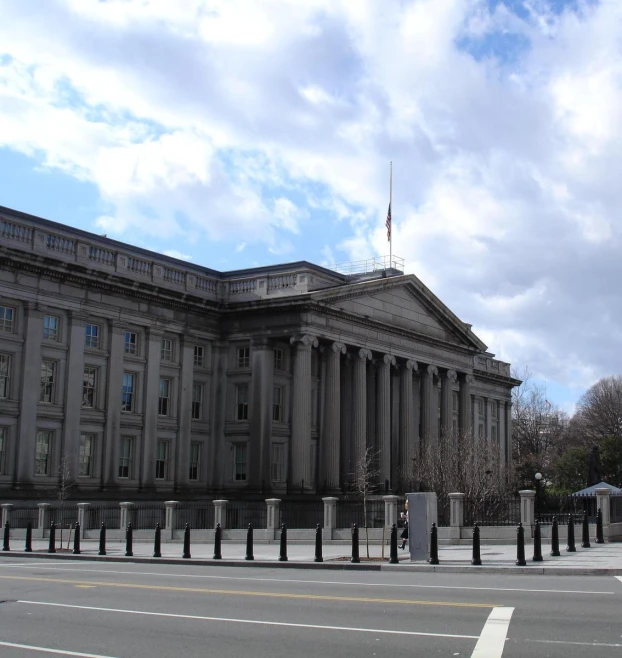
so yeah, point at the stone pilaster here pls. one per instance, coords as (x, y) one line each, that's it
(170, 518)
(428, 403)
(29, 394)
(448, 379)
(83, 512)
(359, 403)
(220, 513)
(262, 385)
(74, 380)
(384, 418)
(527, 507)
(301, 412)
(218, 455)
(150, 407)
(273, 515)
(508, 432)
(184, 414)
(390, 510)
(408, 435)
(465, 413)
(112, 430)
(346, 418)
(330, 448)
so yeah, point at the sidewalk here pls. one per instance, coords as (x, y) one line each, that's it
(600, 559)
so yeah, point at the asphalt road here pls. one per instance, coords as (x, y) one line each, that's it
(133, 610)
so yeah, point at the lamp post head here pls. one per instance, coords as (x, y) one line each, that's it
(538, 476)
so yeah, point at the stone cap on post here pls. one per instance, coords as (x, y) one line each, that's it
(390, 510)
(170, 507)
(527, 507)
(456, 510)
(603, 501)
(273, 516)
(220, 513)
(44, 515)
(125, 516)
(330, 512)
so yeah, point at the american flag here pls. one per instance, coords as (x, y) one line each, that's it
(388, 224)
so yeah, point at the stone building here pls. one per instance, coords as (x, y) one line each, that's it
(140, 373)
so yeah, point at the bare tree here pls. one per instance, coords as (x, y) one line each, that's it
(364, 482)
(65, 483)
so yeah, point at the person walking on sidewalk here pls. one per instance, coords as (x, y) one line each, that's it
(404, 535)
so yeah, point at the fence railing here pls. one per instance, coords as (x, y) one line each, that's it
(199, 516)
(562, 506)
(240, 513)
(352, 511)
(616, 508)
(145, 517)
(64, 516)
(492, 511)
(302, 514)
(109, 514)
(22, 515)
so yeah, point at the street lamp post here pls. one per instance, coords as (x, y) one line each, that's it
(538, 477)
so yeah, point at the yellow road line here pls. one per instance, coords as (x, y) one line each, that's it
(278, 595)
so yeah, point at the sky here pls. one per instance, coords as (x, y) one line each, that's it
(239, 133)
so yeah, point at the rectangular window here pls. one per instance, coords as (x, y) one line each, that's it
(5, 373)
(85, 466)
(455, 401)
(126, 455)
(239, 462)
(277, 404)
(241, 402)
(164, 399)
(162, 461)
(493, 409)
(197, 401)
(480, 407)
(278, 359)
(89, 384)
(48, 378)
(43, 453)
(199, 356)
(50, 327)
(128, 394)
(166, 349)
(244, 357)
(195, 461)
(92, 335)
(7, 319)
(278, 462)
(131, 342)
(3, 446)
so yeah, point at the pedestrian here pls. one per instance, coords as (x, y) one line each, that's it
(404, 535)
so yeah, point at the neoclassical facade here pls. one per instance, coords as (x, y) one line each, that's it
(129, 371)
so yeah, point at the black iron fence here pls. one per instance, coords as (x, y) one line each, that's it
(199, 516)
(491, 511)
(64, 516)
(20, 516)
(562, 506)
(616, 508)
(241, 512)
(350, 511)
(302, 513)
(145, 517)
(109, 514)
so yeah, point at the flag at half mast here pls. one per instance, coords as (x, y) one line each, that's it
(388, 223)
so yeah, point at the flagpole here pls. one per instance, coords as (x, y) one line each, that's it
(391, 208)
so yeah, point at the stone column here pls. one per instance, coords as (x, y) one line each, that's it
(126, 515)
(83, 510)
(371, 405)
(359, 404)
(448, 379)
(465, 411)
(508, 432)
(273, 513)
(184, 414)
(527, 507)
(384, 418)
(112, 430)
(346, 378)
(150, 408)
(408, 435)
(216, 445)
(396, 385)
(330, 448)
(170, 518)
(29, 394)
(301, 413)
(74, 379)
(390, 510)
(428, 403)
(603, 502)
(6, 513)
(261, 393)
(220, 513)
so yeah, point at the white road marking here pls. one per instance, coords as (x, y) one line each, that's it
(252, 621)
(580, 644)
(308, 582)
(619, 578)
(492, 639)
(55, 651)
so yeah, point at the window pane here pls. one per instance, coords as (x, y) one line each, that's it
(128, 392)
(3, 441)
(131, 342)
(242, 402)
(195, 455)
(166, 352)
(7, 315)
(88, 387)
(278, 359)
(197, 401)
(48, 372)
(50, 327)
(92, 335)
(5, 368)
(162, 460)
(125, 457)
(199, 357)
(239, 457)
(42, 453)
(244, 357)
(85, 468)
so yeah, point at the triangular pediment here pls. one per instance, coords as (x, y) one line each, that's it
(402, 302)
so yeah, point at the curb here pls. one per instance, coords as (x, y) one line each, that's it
(329, 565)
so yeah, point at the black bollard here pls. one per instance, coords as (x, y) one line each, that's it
(52, 544)
(283, 545)
(217, 542)
(28, 547)
(128, 541)
(355, 545)
(318, 544)
(76, 539)
(393, 559)
(571, 548)
(186, 554)
(157, 541)
(585, 531)
(555, 539)
(102, 540)
(477, 560)
(600, 537)
(520, 546)
(537, 543)
(434, 545)
(6, 540)
(249, 543)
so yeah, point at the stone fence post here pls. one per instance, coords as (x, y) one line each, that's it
(273, 513)
(603, 501)
(330, 513)
(126, 515)
(170, 518)
(6, 513)
(43, 521)
(456, 516)
(390, 510)
(527, 508)
(83, 509)
(220, 513)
